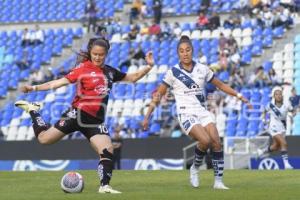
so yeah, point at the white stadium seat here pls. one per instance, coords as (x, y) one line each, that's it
(22, 132)
(116, 38)
(187, 33)
(61, 90)
(288, 56)
(247, 32)
(50, 97)
(226, 33)
(118, 104)
(289, 73)
(163, 69)
(206, 34)
(132, 69)
(215, 33)
(288, 65)
(15, 122)
(277, 65)
(128, 103)
(237, 32)
(247, 41)
(289, 47)
(12, 133)
(196, 34)
(30, 134)
(277, 56)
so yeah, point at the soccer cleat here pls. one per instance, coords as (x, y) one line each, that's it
(220, 186)
(28, 106)
(108, 189)
(288, 166)
(194, 176)
(260, 152)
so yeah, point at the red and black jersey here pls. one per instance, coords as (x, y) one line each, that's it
(93, 87)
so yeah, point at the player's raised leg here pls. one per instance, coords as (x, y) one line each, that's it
(43, 131)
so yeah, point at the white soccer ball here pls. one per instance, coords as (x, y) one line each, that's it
(72, 182)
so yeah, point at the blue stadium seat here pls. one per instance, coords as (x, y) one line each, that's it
(278, 32)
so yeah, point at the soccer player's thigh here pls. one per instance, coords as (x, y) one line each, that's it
(99, 138)
(50, 136)
(212, 131)
(198, 133)
(280, 140)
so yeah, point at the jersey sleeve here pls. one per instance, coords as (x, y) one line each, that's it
(73, 75)
(117, 75)
(209, 74)
(168, 79)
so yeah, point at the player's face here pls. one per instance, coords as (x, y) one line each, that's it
(185, 53)
(98, 55)
(278, 96)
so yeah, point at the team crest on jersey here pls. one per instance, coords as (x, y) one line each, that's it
(72, 114)
(93, 74)
(62, 122)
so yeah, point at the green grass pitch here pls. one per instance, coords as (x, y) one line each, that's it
(155, 185)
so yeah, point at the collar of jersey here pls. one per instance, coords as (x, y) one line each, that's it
(91, 65)
(193, 65)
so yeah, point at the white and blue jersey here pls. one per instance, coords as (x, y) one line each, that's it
(278, 116)
(189, 91)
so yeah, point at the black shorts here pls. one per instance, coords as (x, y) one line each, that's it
(76, 120)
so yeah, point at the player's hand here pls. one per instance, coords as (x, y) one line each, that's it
(145, 124)
(246, 101)
(27, 88)
(149, 58)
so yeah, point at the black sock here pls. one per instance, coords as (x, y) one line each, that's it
(218, 164)
(199, 155)
(105, 171)
(39, 124)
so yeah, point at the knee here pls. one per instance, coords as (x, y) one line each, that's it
(106, 153)
(283, 145)
(204, 144)
(216, 146)
(44, 140)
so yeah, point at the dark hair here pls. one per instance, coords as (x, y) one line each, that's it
(184, 39)
(86, 55)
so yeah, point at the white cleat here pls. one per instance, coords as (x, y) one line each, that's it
(28, 106)
(220, 186)
(194, 176)
(108, 189)
(288, 166)
(260, 153)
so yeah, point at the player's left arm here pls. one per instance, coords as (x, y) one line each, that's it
(229, 90)
(160, 92)
(134, 77)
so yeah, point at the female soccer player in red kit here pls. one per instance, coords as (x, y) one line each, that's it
(94, 81)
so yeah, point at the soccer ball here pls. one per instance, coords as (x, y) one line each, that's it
(72, 182)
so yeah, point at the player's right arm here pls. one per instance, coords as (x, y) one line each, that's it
(46, 86)
(161, 91)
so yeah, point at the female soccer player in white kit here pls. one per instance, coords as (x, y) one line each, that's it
(188, 80)
(277, 127)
